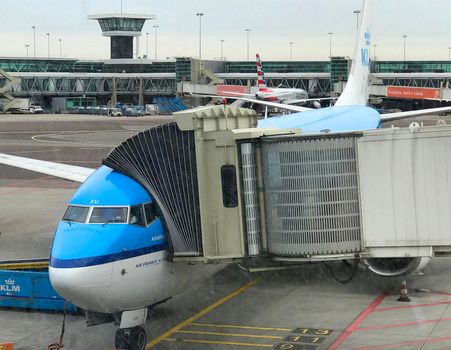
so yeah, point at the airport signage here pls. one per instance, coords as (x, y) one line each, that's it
(231, 90)
(413, 92)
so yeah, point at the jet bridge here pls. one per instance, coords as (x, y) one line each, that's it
(229, 191)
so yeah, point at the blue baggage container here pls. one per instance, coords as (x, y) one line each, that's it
(31, 290)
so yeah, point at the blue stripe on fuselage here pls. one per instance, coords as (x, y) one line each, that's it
(104, 259)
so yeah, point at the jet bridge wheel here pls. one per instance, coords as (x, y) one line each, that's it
(130, 338)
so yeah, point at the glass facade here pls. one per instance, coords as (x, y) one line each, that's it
(121, 24)
(411, 67)
(183, 69)
(339, 69)
(74, 66)
(338, 66)
(279, 67)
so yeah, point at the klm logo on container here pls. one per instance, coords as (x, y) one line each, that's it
(9, 286)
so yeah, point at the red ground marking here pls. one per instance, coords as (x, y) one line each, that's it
(442, 293)
(407, 343)
(412, 306)
(404, 324)
(355, 324)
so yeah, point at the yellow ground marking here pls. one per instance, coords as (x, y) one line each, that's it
(232, 334)
(201, 313)
(23, 266)
(220, 342)
(240, 327)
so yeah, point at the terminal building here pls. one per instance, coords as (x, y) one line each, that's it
(130, 79)
(141, 81)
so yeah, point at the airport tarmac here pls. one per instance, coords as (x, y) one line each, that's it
(230, 309)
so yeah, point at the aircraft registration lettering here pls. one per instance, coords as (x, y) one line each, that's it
(94, 201)
(365, 57)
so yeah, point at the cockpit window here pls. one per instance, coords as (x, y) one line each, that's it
(108, 215)
(75, 214)
(136, 216)
(151, 212)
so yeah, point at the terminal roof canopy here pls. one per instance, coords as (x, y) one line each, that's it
(121, 24)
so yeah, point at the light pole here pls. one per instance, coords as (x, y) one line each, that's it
(155, 34)
(147, 45)
(200, 14)
(121, 6)
(291, 50)
(27, 46)
(330, 44)
(34, 40)
(449, 53)
(247, 35)
(61, 47)
(404, 37)
(357, 12)
(48, 44)
(222, 49)
(374, 52)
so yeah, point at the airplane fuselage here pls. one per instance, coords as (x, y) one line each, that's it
(280, 94)
(104, 259)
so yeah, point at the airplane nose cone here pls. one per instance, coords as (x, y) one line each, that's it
(85, 287)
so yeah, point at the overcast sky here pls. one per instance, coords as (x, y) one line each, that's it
(273, 23)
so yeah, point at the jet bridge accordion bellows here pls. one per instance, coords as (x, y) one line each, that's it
(311, 194)
(163, 161)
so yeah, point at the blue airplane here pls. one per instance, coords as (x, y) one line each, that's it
(110, 254)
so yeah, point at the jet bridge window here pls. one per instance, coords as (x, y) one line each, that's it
(108, 215)
(136, 216)
(229, 189)
(75, 214)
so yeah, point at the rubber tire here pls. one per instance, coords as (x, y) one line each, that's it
(138, 338)
(121, 340)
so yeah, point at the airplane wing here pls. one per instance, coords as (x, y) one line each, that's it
(402, 115)
(64, 171)
(232, 94)
(277, 105)
(265, 103)
(290, 102)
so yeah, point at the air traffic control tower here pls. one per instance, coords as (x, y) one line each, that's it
(121, 28)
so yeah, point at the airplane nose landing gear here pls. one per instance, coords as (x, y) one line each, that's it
(130, 338)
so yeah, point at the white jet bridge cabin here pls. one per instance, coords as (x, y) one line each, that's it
(229, 191)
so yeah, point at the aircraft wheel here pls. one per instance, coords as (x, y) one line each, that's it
(138, 338)
(122, 339)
